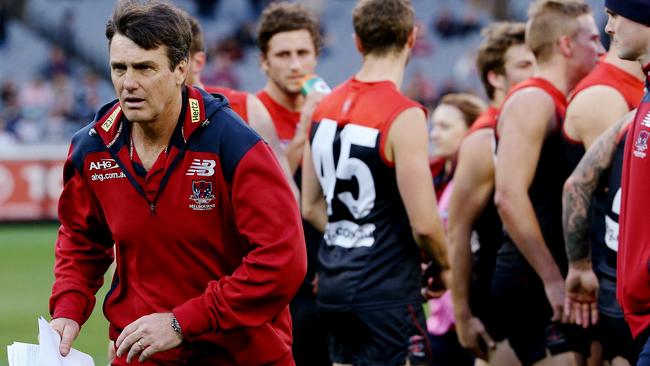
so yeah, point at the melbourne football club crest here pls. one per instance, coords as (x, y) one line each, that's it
(641, 144)
(202, 195)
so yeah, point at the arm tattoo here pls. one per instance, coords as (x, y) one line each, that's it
(579, 190)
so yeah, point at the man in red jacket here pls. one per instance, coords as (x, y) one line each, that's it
(207, 234)
(629, 24)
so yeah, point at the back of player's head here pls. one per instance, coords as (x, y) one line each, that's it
(383, 26)
(548, 20)
(285, 17)
(498, 38)
(635, 10)
(152, 24)
(470, 106)
(197, 36)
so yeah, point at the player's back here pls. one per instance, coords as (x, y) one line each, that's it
(369, 258)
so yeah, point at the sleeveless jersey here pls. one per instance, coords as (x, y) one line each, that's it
(604, 74)
(545, 191)
(369, 258)
(285, 121)
(633, 272)
(487, 232)
(237, 99)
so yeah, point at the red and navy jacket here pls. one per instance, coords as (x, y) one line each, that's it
(216, 238)
(633, 266)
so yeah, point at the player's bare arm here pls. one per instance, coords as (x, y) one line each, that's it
(592, 111)
(580, 187)
(407, 146)
(581, 282)
(260, 121)
(525, 120)
(473, 183)
(313, 205)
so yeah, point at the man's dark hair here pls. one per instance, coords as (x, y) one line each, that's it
(285, 17)
(153, 24)
(498, 38)
(383, 25)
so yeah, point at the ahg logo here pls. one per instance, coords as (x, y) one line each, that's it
(202, 168)
(103, 164)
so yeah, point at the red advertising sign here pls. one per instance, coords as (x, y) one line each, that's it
(30, 185)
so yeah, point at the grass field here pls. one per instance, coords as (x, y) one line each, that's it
(26, 260)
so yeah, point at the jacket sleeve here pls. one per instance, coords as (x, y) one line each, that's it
(266, 213)
(83, 250)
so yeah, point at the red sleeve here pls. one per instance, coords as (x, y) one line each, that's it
(266, 214)
(83, 250)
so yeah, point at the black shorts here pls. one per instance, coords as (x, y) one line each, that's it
(523, 316)
(378, 337)
(615, 337)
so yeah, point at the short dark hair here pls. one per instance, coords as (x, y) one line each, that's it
(383, 25)
(498, 38)
(153, 24)
(285, 17)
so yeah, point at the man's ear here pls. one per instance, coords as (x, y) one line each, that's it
(181, 71)
(264, 63)
(412, 37)
(357, 43)
(565, 45)
(498, 81)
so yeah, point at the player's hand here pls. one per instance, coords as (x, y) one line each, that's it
(473, 336)
(555, 296)
(581, 305)
(311, 102)
(146, 336)
(68, 329)
(435, 285)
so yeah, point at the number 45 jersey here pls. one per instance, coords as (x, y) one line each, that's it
(369, 258)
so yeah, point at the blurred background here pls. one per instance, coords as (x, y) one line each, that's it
(54, 75)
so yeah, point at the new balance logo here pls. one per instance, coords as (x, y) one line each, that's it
(202, 168)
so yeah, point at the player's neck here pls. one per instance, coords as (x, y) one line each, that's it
(497, 99)
(631, 67)
(556, 74)
(383, 68)
(290, 101)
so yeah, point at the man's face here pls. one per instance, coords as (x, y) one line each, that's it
(290, 56)
(631, 38)
(588, 47)
(519, 64)
(142, 79)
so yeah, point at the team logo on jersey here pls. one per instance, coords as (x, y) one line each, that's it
(111, 119)
(195, 110)
(202, 168)
(202, 195)
(641, 144)
(103, 164)
(646, 120)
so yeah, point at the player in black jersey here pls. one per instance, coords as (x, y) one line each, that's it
(474, 227)
(531, 169)
(591, 292)
(367, 183)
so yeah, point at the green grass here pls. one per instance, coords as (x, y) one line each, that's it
(26, 262)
